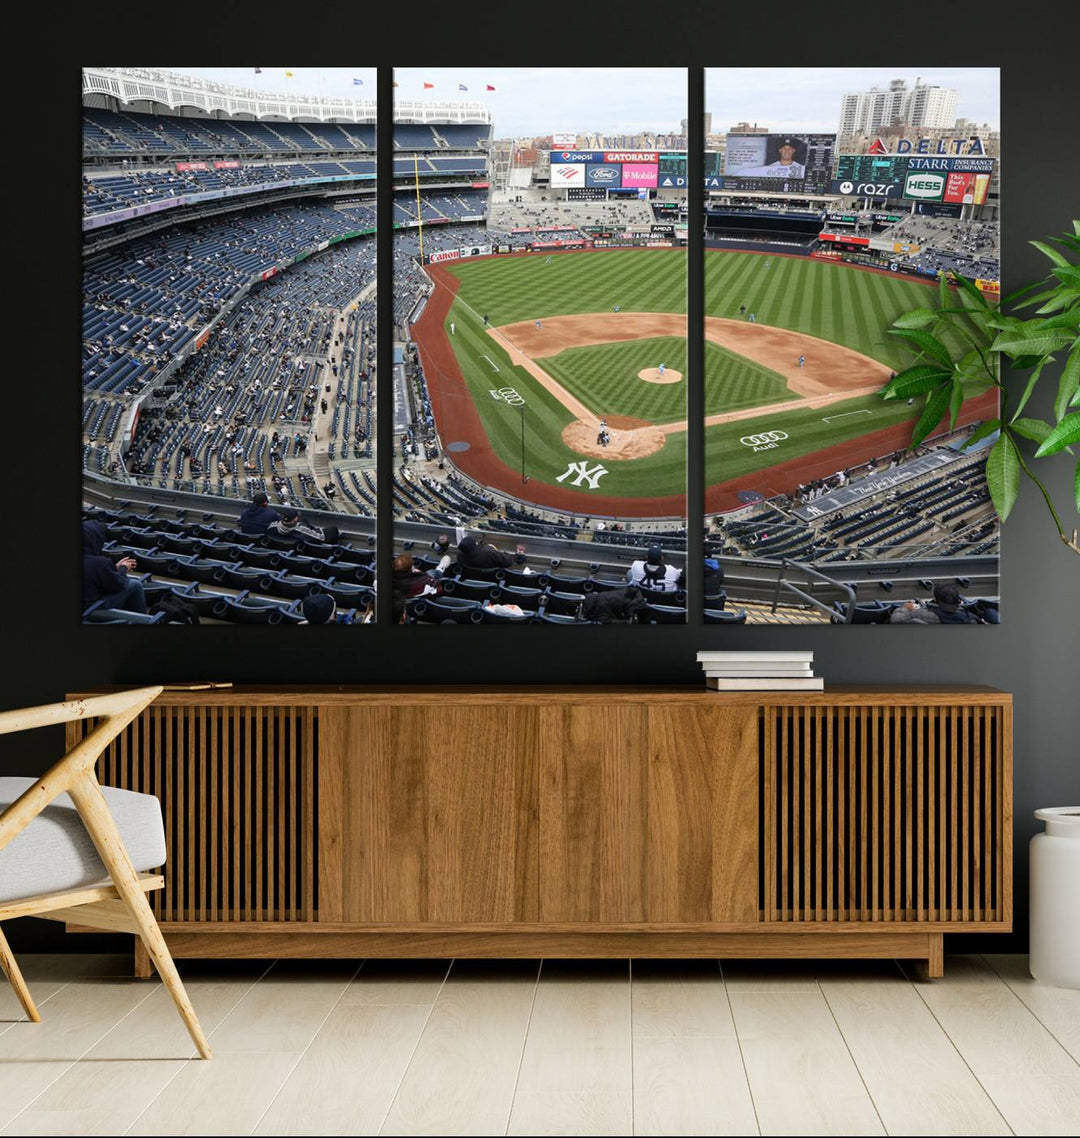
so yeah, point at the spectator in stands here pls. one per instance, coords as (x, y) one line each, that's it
(291, 528)
(412, 581)
(105, 580)
(947, 606)
(653, 572)
(914, 613)
(258, 517)
(318, 609)
(714, 577)
(473, 554)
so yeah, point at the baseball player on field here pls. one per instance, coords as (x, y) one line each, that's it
(802, 360)
(662, 367)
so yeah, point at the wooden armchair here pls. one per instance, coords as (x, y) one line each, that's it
(55, 873)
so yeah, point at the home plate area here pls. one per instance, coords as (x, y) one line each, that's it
(627, 437)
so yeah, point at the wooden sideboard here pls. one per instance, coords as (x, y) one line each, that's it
(589, 821)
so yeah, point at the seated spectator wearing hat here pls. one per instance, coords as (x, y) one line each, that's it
(291, 528)
(258, 517)
(473, 554)
(947, 606)
(106, 580)
(319, 608)
(653, 572)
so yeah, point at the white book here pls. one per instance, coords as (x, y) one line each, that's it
(752, 674)
(758, 667)
(812, 683)
(751, 657)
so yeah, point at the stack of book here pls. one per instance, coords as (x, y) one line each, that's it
(760, 671)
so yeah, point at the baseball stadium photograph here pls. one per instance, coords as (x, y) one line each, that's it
(541, 362)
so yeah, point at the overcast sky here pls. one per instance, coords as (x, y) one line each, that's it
(625, 100)
(808, 98)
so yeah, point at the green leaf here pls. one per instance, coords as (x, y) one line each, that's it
(1068, 274)
(972, 290)
(1053, 254)
(1065, 298)
(1069, 385)
(1032, 380)
(1003, 475)
(1034, 429)
(936, 404)
(984, 429)
(1064, 434)
(917, 318)
(1030, 343)
(930, 345)
(1076, 487)
(943, 291)
(914, 381)
(956, 401)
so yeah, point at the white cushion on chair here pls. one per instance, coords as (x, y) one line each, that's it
(55, 852)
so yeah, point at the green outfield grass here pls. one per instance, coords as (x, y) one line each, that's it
(833, 302)
(605, 378)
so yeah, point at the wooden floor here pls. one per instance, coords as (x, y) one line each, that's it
(569, 1047)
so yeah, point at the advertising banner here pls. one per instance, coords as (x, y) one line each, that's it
(714, 183)
(959, 187)
(671, 181)
(992, 287)
(937, 209)
(268, 274)
(586, 156)
(579, 244)
(587, 194)
(475, 251)
(649, 157)
(568, 175)
(227, 164)
(444, 255)
(563, 140)
(481, 185)
(182, 166)
(925, 186)
(639, 174)
(662, 229)
(865, 189)
(606, 175)
(904, 247)
(959, 165)
(844, 238)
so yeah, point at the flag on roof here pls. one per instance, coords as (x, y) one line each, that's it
(358, 82)
(462, 87)
(490, 88)
(428, 86)
(258, 70)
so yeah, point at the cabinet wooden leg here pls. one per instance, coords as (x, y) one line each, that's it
(935, 963)
(143, 969)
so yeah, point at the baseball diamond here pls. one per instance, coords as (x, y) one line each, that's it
(577, 336)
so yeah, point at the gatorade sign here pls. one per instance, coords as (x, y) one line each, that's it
(924, 186)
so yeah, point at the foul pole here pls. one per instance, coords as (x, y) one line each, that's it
(419, 217)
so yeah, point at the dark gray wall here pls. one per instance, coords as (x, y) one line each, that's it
(1034, 654)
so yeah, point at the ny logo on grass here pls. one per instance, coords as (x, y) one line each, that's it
(581, 470)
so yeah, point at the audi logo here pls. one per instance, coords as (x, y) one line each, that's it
(763, 439)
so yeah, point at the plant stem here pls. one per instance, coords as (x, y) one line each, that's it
(1073, 545)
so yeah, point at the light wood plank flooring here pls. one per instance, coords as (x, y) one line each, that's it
(553, 1047)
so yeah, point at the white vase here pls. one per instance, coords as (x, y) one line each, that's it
(1055, 899)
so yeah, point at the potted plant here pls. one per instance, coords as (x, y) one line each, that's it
(957, 348)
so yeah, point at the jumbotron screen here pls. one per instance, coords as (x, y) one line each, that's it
(782, 163)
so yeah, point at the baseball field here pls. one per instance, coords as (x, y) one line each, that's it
(569, 370)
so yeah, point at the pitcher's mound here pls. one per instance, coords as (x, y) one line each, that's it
(652, 375)
(625, 441)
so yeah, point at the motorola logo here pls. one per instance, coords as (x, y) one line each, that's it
(767, 440)
(846, 187)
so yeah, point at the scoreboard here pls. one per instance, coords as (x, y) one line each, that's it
(914, 177)
(755, 162)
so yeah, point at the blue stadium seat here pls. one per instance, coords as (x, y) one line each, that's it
(436, 610)
(471, 590)
(662, 614)
(716, 616)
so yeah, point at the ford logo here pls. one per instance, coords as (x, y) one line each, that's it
(603, 175)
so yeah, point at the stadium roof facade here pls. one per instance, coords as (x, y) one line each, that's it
(167, 89)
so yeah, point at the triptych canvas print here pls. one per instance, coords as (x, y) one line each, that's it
(542, 359)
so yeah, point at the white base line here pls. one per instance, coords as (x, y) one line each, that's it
(861, 411)
(494, 365)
